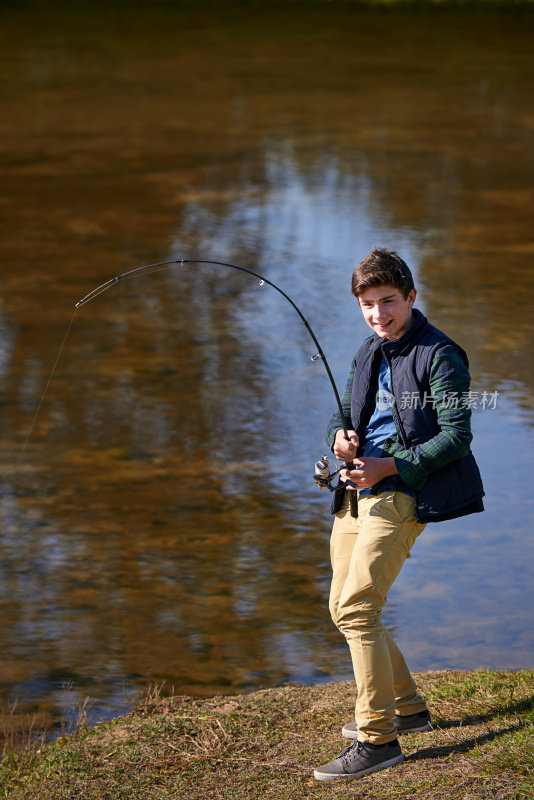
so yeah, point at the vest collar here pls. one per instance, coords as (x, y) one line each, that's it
(405, 343)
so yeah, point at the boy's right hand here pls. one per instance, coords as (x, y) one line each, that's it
(345, 450)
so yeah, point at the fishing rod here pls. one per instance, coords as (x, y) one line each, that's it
(322, 475)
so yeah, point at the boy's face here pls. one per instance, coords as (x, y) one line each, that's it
(387, 311)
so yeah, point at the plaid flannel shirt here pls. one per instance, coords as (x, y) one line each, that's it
(449, 394)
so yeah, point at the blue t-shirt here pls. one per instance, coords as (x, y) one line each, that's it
(381, 425)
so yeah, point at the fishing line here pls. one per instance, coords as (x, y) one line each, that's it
(90, 296)
(49, 381)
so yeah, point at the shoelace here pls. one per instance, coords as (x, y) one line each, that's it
(350, 753)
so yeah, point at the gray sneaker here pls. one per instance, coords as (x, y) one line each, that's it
(413, 723)
(359, 759)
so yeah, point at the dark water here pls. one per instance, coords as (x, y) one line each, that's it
(160, 523)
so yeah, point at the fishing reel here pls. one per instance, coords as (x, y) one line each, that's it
(323, 477)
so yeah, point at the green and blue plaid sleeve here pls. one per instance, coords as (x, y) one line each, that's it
(449, 395)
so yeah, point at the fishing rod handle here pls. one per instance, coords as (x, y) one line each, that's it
(353, 494)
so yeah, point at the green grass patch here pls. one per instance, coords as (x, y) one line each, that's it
(266, 744)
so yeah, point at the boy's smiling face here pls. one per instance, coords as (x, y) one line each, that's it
(387, 311)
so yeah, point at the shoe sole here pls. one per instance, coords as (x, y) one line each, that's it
(329, 776)
(348, 733)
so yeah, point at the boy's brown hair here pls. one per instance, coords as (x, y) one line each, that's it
(382, 268)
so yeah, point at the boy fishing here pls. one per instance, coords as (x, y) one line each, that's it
(408, 447)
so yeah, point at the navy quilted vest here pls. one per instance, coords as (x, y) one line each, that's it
(453, 490)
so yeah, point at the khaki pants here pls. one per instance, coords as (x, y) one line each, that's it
(367, 555)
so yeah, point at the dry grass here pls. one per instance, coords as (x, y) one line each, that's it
(265, 745)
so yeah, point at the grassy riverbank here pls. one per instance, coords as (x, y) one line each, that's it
(265, 745)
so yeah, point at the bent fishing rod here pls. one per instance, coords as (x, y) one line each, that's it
(322, 475)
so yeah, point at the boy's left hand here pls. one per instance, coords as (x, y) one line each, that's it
(368, 471)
